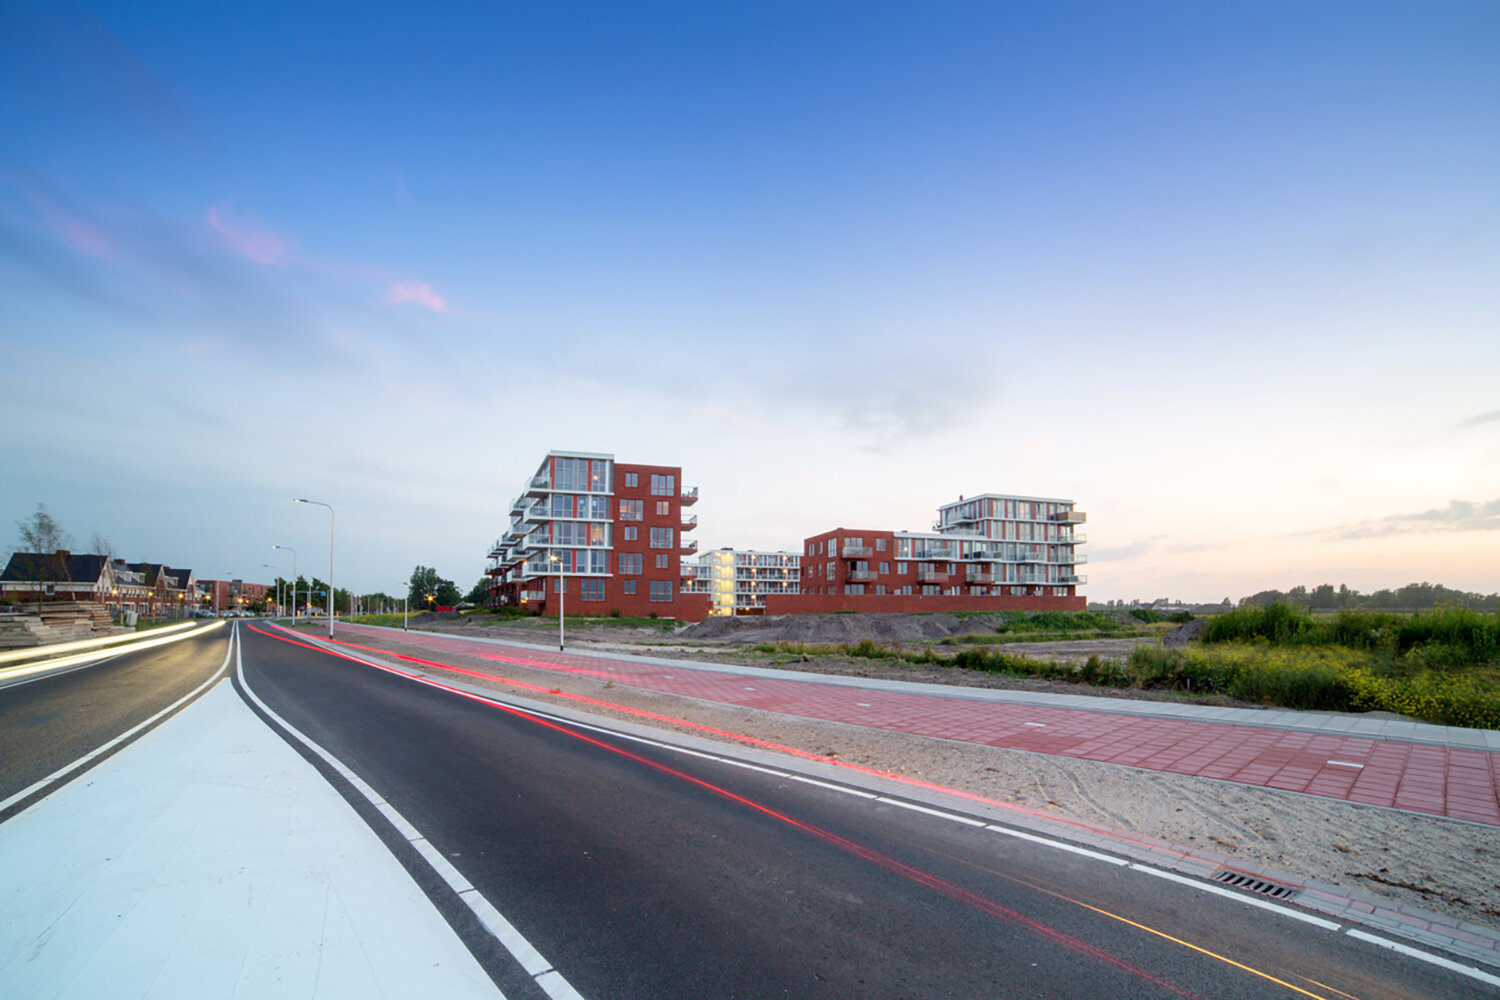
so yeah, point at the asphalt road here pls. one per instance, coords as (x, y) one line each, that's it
(644, 872)
(52, 720)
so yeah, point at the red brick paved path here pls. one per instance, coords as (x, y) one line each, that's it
(1455, 782)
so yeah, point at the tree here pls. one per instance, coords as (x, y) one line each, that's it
(41, 534)
(481, 592)
(101, 546)
(425, 584)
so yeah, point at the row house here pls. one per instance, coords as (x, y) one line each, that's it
(607, 535)
(151, 590)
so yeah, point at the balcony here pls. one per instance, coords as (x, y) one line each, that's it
(687, 548)
(538, 486)
(932, 576)
(690, 522)
(1071, 578)
(518, 505)
(1070, 517)
(688, 571)
(496, 548)
(689, 497)
(862, 574)
(856, 551)
(980, 578)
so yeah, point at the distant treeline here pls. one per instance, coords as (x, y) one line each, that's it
(1412, 597)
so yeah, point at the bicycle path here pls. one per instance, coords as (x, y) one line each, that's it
(1388, 762)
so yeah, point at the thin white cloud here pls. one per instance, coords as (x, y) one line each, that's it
(248, 239)
(417, 293)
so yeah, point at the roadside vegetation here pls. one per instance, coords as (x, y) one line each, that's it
(1065, 626)
(1441, 666)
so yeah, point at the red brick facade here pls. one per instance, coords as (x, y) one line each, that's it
(625, 558)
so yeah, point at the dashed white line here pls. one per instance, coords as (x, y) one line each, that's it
(1059, 844)
(1344, 763)
(940, 814)
(1423, 956)
(1327, 925)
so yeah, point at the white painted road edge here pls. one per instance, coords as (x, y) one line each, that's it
(127, 734)
(548, 978)
(1201, 886)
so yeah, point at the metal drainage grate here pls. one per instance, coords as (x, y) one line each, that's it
(1256, 885)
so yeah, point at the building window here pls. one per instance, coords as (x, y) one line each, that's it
(661, 590)
(885, 568)
(632, 510)
(591, 590)
(663, 508)
(630, 584)
(630, 563)
(854, 588)
(661, 538)
(880, 589)
(663, 486)
(631, 480)
(663, 560)
(880, 545)
(630, 533)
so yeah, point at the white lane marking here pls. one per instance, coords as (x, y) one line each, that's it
(856, 792)
(105, 748)
(1420, 955)
(13, 676)
(1327, 925)
(1344, 763)
(1061, 845)
(940, 814)
(541, 971)
(1039, 725)
(863, 704)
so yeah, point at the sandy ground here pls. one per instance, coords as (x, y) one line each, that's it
(1440, 865)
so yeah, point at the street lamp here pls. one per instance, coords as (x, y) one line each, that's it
(294, 579)
(405, 605)
(562, 599)
(331, 590)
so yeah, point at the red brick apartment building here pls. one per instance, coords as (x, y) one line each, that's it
(985, 553)
(612, 534)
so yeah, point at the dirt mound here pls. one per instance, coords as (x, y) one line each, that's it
(429, 617)
(1184, 634)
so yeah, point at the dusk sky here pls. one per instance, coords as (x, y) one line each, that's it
(1226, 274)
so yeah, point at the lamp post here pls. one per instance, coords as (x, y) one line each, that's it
(331, 590)
(562, 599)
(294, 580)
(405, 605)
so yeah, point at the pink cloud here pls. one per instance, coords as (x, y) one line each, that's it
(418, 293)
(248, 240)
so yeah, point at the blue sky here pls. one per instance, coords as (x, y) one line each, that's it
(1225, 274)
